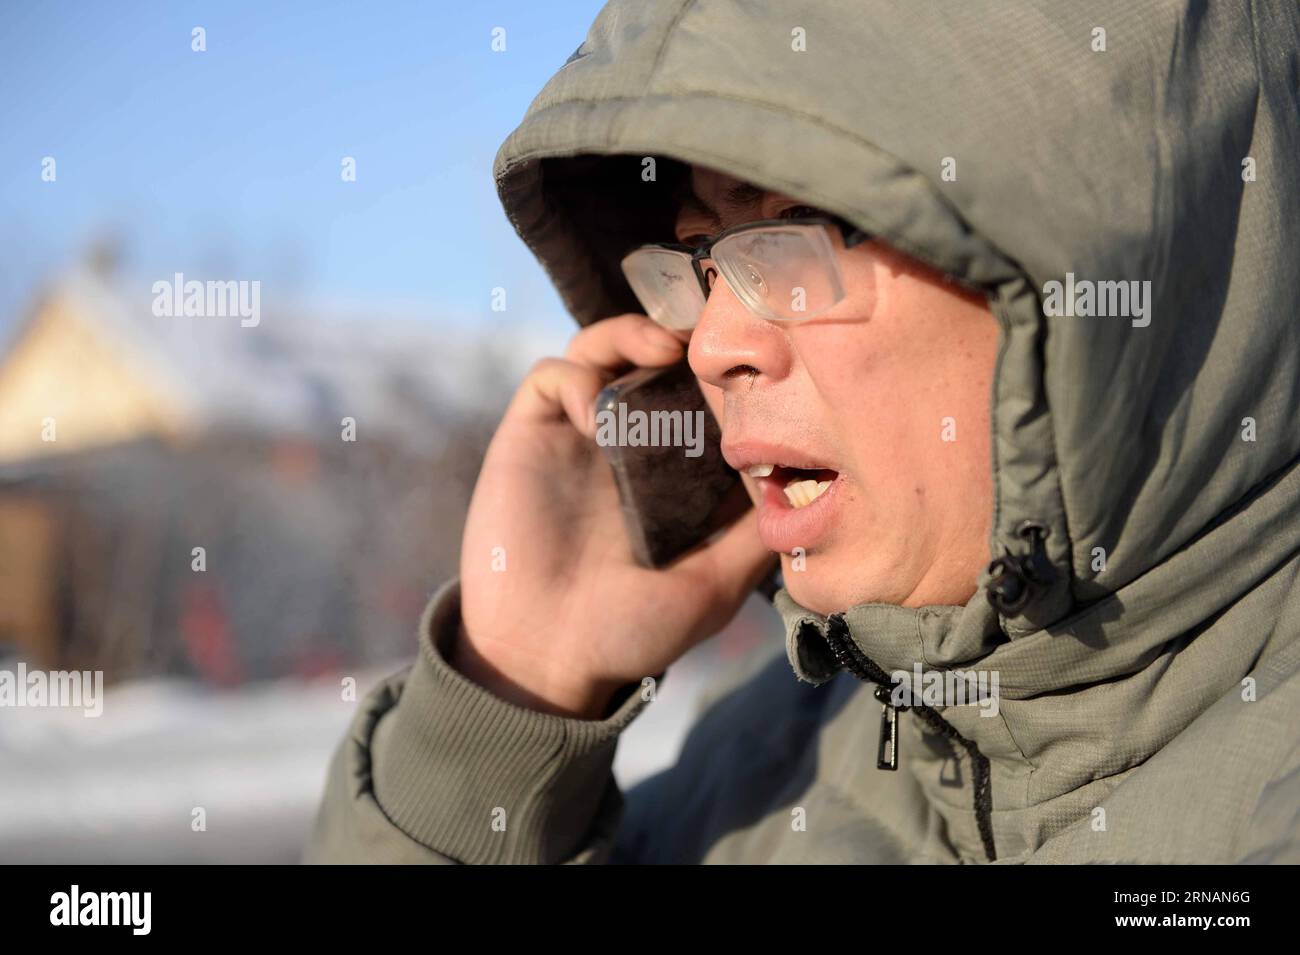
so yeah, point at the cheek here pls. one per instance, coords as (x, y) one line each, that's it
(907, 392)
(861, 387)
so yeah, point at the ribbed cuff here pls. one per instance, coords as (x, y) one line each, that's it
(482, 780)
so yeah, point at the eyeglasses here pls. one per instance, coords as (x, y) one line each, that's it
(780, 269)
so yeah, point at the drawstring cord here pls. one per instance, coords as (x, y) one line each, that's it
(850, 657)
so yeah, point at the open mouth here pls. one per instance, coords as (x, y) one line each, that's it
(801, 486)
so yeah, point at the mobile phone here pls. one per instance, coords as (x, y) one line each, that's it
(664, 446)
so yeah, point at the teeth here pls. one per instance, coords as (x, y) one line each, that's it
(759, 470)
(802, 493)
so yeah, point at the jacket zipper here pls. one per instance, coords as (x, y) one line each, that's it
(887, 749)
(850, 657)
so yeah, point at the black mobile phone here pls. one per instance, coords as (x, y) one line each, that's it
(664, 446)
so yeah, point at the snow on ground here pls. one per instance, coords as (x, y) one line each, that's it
(124, 787)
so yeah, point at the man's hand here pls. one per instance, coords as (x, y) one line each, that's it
(572, 616)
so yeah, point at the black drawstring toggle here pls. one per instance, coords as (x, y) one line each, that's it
(1013, 580)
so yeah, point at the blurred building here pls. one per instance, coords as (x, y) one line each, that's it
(189, 496)
(318, 554)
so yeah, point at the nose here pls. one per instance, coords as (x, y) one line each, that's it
(730, 343)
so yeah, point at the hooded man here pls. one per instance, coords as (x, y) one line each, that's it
(1034, 428)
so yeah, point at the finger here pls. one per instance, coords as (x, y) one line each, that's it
(735, 561)
(556, 389)
(614, 343)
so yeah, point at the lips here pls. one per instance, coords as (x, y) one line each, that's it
(798, 492)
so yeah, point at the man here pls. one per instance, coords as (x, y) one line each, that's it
(1038, 433)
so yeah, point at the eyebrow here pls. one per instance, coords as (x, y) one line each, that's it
(742, 196)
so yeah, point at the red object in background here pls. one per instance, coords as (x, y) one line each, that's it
(317, 662)
(205, 629)
(738, 639)
(295, 462)
(402, 600)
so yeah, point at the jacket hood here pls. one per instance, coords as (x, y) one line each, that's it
(1157, 452)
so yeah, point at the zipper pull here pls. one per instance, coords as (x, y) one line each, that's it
(887, 750)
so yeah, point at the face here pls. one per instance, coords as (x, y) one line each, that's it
(874, 416)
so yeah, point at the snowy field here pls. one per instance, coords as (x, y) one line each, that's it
(124, 787)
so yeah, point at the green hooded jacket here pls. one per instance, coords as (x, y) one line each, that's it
(1147, 640)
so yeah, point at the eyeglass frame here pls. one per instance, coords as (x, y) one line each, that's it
(850, 234)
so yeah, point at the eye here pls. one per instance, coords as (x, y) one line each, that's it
(803, 212)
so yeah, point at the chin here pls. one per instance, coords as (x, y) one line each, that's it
(817, 588)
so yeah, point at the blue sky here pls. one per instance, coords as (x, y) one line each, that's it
(227, 162)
